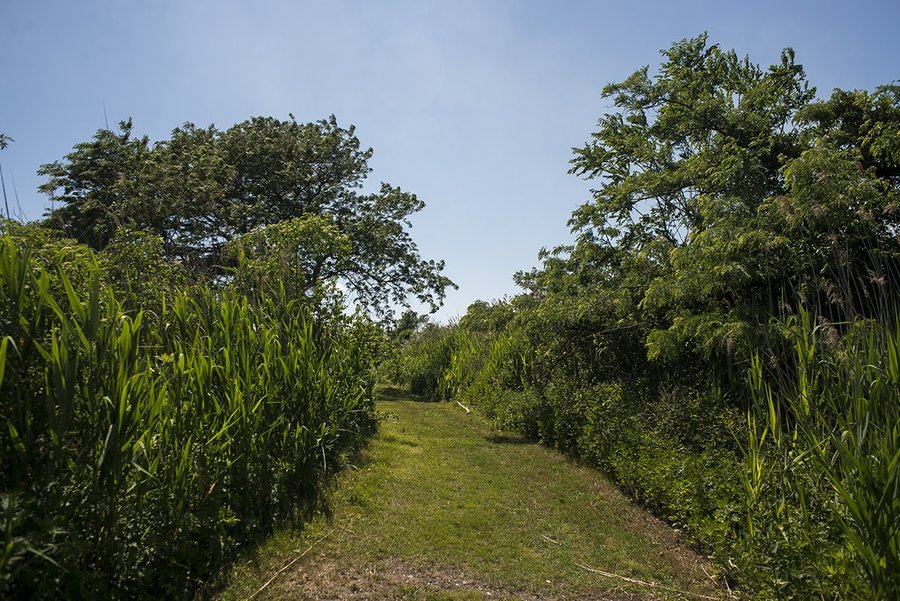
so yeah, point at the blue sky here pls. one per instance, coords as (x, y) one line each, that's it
(472, 105)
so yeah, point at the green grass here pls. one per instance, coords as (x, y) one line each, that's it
(442, 506)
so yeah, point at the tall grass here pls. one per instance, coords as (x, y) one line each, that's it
(421, 363)
(138, 458)
(825, 438)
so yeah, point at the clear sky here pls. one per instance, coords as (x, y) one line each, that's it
(472, 105)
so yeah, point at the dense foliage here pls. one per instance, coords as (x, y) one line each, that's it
(151, 430)
(202, 189)
(721, 335)
(181, 373)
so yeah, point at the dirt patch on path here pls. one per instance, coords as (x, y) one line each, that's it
(396, 580)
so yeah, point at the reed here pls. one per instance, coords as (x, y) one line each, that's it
(139, 455)
(824, 440)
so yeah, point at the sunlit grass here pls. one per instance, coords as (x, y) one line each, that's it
(440, 492)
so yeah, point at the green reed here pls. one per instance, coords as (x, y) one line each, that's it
(825, 445)
(139, 455)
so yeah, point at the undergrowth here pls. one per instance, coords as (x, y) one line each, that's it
(148, 436)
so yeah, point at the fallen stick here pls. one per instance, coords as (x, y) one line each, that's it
(647, 584)
(292, 562)
(713, 580)
(463, 406)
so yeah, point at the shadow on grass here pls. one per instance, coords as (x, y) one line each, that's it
(393, 393)
(508, 439)
(312, 498)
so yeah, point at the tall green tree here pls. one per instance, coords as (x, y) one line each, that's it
(4, 142)
(204, 187)
(724, 187)
(98, 185)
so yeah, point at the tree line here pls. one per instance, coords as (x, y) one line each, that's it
(721, 335)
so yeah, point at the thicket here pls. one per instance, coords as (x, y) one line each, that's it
(151, 433)
(722, 336)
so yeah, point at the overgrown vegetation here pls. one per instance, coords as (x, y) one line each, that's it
(722, 335)
(142, 449)
(183, 376)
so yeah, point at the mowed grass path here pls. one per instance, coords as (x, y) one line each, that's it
(442, 506)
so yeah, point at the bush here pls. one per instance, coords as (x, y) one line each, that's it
(424, 359)
(801, 505)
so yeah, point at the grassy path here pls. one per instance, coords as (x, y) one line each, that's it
(445, 507)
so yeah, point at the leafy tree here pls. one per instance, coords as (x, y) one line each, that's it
(725, 187)
(826, 240)
(689, 157)
(202, 188)
(408, 324)
(487, 318)
(185, 199)
(301, 255)
(703, 137)
(134, 264)
(99, 185)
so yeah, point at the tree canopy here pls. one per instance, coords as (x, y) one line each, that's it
(725, 191)
(721, 336)
(271, 186)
